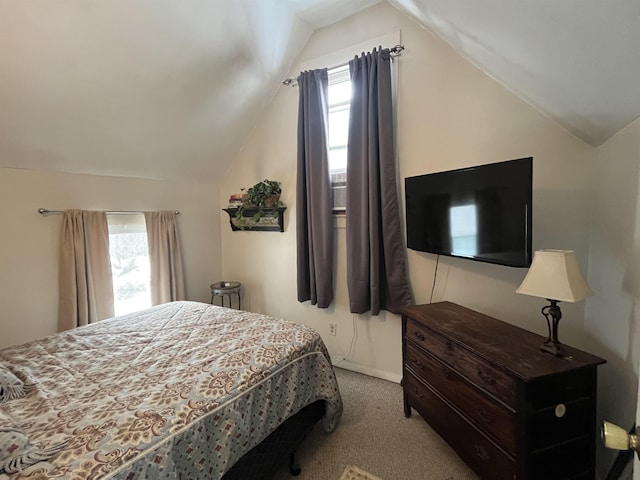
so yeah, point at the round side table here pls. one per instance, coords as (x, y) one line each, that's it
(226, 289)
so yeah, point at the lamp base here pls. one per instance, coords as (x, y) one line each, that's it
(554, 348)
(553, 315)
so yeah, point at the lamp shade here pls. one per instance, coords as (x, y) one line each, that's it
(555, 275)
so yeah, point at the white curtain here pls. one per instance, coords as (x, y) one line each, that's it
(167, 279)
(86, 288)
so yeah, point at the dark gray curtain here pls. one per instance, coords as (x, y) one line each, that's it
(376, 274)
(314, 220)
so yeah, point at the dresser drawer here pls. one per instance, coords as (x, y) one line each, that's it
(550, 391)
(566, 461)
(476, 369)
(554, 425)
(489, 415)
(487, 459)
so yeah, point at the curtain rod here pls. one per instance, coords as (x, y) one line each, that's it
(393, 52)
(44, 211)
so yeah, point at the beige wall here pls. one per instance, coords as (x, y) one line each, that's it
(450, 115)
(613, 314)
(29, 242)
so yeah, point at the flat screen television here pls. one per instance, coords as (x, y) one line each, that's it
(481, 213)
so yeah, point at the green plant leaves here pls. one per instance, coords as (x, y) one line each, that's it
(256, 197)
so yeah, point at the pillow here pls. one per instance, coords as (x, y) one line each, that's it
(11, 386)
(16, 450)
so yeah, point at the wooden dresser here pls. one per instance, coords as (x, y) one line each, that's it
(509, 410)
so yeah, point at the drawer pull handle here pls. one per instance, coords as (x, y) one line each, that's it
(420, 336)
(417, 393)
(481, 452)
(486, 377)
(447, 373)
(418, 364)
(484, 415)
(449, 345)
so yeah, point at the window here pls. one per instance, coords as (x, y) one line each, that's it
(339, 98)
(130, 269)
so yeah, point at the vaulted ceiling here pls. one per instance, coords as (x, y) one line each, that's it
(159, 88)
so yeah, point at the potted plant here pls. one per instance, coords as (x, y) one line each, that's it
(264, 194)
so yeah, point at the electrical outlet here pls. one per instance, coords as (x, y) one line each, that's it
(333, 327)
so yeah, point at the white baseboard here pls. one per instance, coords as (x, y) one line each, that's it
(373, 372)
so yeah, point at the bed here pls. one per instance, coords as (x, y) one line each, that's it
(183, 390)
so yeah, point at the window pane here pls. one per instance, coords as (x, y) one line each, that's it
(339, 92)
(129, 254)
(339, 98)
(337, 160)
(338, 127)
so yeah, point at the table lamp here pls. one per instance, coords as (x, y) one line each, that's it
(555, 275)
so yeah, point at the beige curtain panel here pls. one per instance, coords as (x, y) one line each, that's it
(167, 280)
(86, 288)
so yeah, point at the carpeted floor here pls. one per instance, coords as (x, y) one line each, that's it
(375, 436)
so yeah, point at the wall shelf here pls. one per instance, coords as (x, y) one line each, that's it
(267, 223)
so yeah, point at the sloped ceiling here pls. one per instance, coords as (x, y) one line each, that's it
(578, 61)
(166, 89)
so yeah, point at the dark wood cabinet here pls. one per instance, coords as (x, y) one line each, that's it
(509, 410)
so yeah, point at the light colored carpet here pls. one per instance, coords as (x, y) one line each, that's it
(374, 435)
(354, 473)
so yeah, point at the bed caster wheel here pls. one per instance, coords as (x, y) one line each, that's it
(294, 466)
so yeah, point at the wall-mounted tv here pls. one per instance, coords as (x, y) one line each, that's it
(482, 213)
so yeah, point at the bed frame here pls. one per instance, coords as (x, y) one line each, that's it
(280, 446)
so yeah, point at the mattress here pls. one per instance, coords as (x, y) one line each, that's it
(181, 390)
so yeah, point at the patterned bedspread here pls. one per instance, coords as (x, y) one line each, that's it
(179, 391)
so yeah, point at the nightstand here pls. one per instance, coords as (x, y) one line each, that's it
(226, 289)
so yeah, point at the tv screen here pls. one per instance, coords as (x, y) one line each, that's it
(482, 213)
